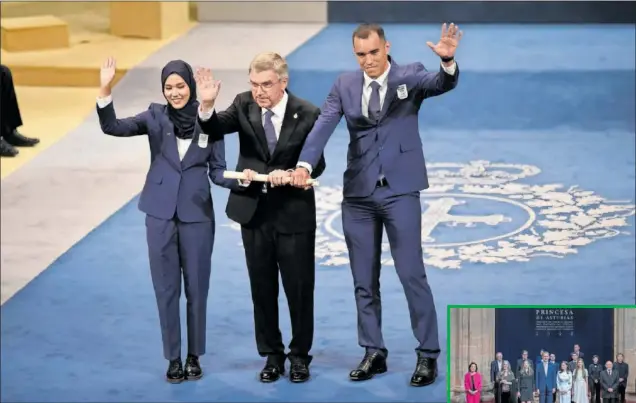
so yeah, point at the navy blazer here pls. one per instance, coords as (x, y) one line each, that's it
(392, 145)
(173, 186)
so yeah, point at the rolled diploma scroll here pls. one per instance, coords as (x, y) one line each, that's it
(260, 177)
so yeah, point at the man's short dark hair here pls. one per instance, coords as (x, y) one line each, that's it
(364, 30)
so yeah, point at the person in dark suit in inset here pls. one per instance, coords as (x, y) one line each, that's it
(278, 222)
(178, 205)
(609, 383)
(594, 381)
(623, 373)
(495, 368)
(545, 378)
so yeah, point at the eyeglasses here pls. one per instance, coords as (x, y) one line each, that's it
(264, 86)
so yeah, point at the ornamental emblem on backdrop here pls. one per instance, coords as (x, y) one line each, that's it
(479, 213)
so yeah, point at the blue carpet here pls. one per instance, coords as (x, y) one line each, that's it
(552, 122)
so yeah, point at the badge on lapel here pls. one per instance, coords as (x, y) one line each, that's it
(203, 140)
(402, 92)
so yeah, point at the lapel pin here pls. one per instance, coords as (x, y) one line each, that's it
(295, 116)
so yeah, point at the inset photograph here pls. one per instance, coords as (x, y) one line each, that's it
(544, 354)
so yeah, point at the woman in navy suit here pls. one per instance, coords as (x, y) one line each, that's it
(178, 205)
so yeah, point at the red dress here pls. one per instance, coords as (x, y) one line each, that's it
(472, 383)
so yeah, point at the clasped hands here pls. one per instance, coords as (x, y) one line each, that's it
(278, 177)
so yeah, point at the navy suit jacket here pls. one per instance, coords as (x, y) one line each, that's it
(542, 381)
(172, 186)
(393, 142)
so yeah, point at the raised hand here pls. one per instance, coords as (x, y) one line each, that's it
(107, 75)
(207, 87)
(448, 41)
(107, 72)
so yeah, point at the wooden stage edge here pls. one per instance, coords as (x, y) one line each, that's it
(79, 65)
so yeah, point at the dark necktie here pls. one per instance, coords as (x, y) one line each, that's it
(270, 132)
(374, 102)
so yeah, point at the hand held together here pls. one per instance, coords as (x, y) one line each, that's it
(299, 178)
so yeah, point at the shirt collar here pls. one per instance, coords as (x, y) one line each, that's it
(279, 108)
(380, 80)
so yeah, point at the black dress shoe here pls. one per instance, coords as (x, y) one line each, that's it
(425, 371)
(193, 369)
(175, 371)
(372, 364)
(6, 149)
(299, 369)
(18, 140)
(274, 368)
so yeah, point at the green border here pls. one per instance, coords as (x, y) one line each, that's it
(448, 327)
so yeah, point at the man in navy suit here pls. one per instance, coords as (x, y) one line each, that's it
(545, 378)
(382, 183)
(495, 368)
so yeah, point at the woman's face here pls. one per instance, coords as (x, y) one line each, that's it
(473, 368)
(176, 91)
(564, 366)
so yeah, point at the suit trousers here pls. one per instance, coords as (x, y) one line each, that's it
(179, 249)
(269, 251)
(621, 392)
(595, 392)
(9, 110)
(545, 395)
(363, 221)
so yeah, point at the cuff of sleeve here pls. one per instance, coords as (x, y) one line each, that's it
(104, 102)
(305, 165)
(205, 115)
(450, 70)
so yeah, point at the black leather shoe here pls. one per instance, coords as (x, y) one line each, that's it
(372, 364)
(274, 368)
(425, 371)
(175, 371)
(6, 149)
(193, 369)
(18, 140)
(299, 369)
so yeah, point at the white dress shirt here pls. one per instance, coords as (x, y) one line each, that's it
(366, 96)
(277, 120)
(278, 116)
(182, 144)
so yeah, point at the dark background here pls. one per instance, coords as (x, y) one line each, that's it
(515, 331)
(459, 12)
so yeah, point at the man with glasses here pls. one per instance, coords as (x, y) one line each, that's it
(278, 223)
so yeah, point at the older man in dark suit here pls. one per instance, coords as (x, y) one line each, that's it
(278, 223)
(609, 383)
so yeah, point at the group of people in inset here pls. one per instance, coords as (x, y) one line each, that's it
(567, 382)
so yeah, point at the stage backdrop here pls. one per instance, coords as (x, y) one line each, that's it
(555, 330)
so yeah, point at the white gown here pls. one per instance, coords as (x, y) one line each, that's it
(564, 384)
(580, 388)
